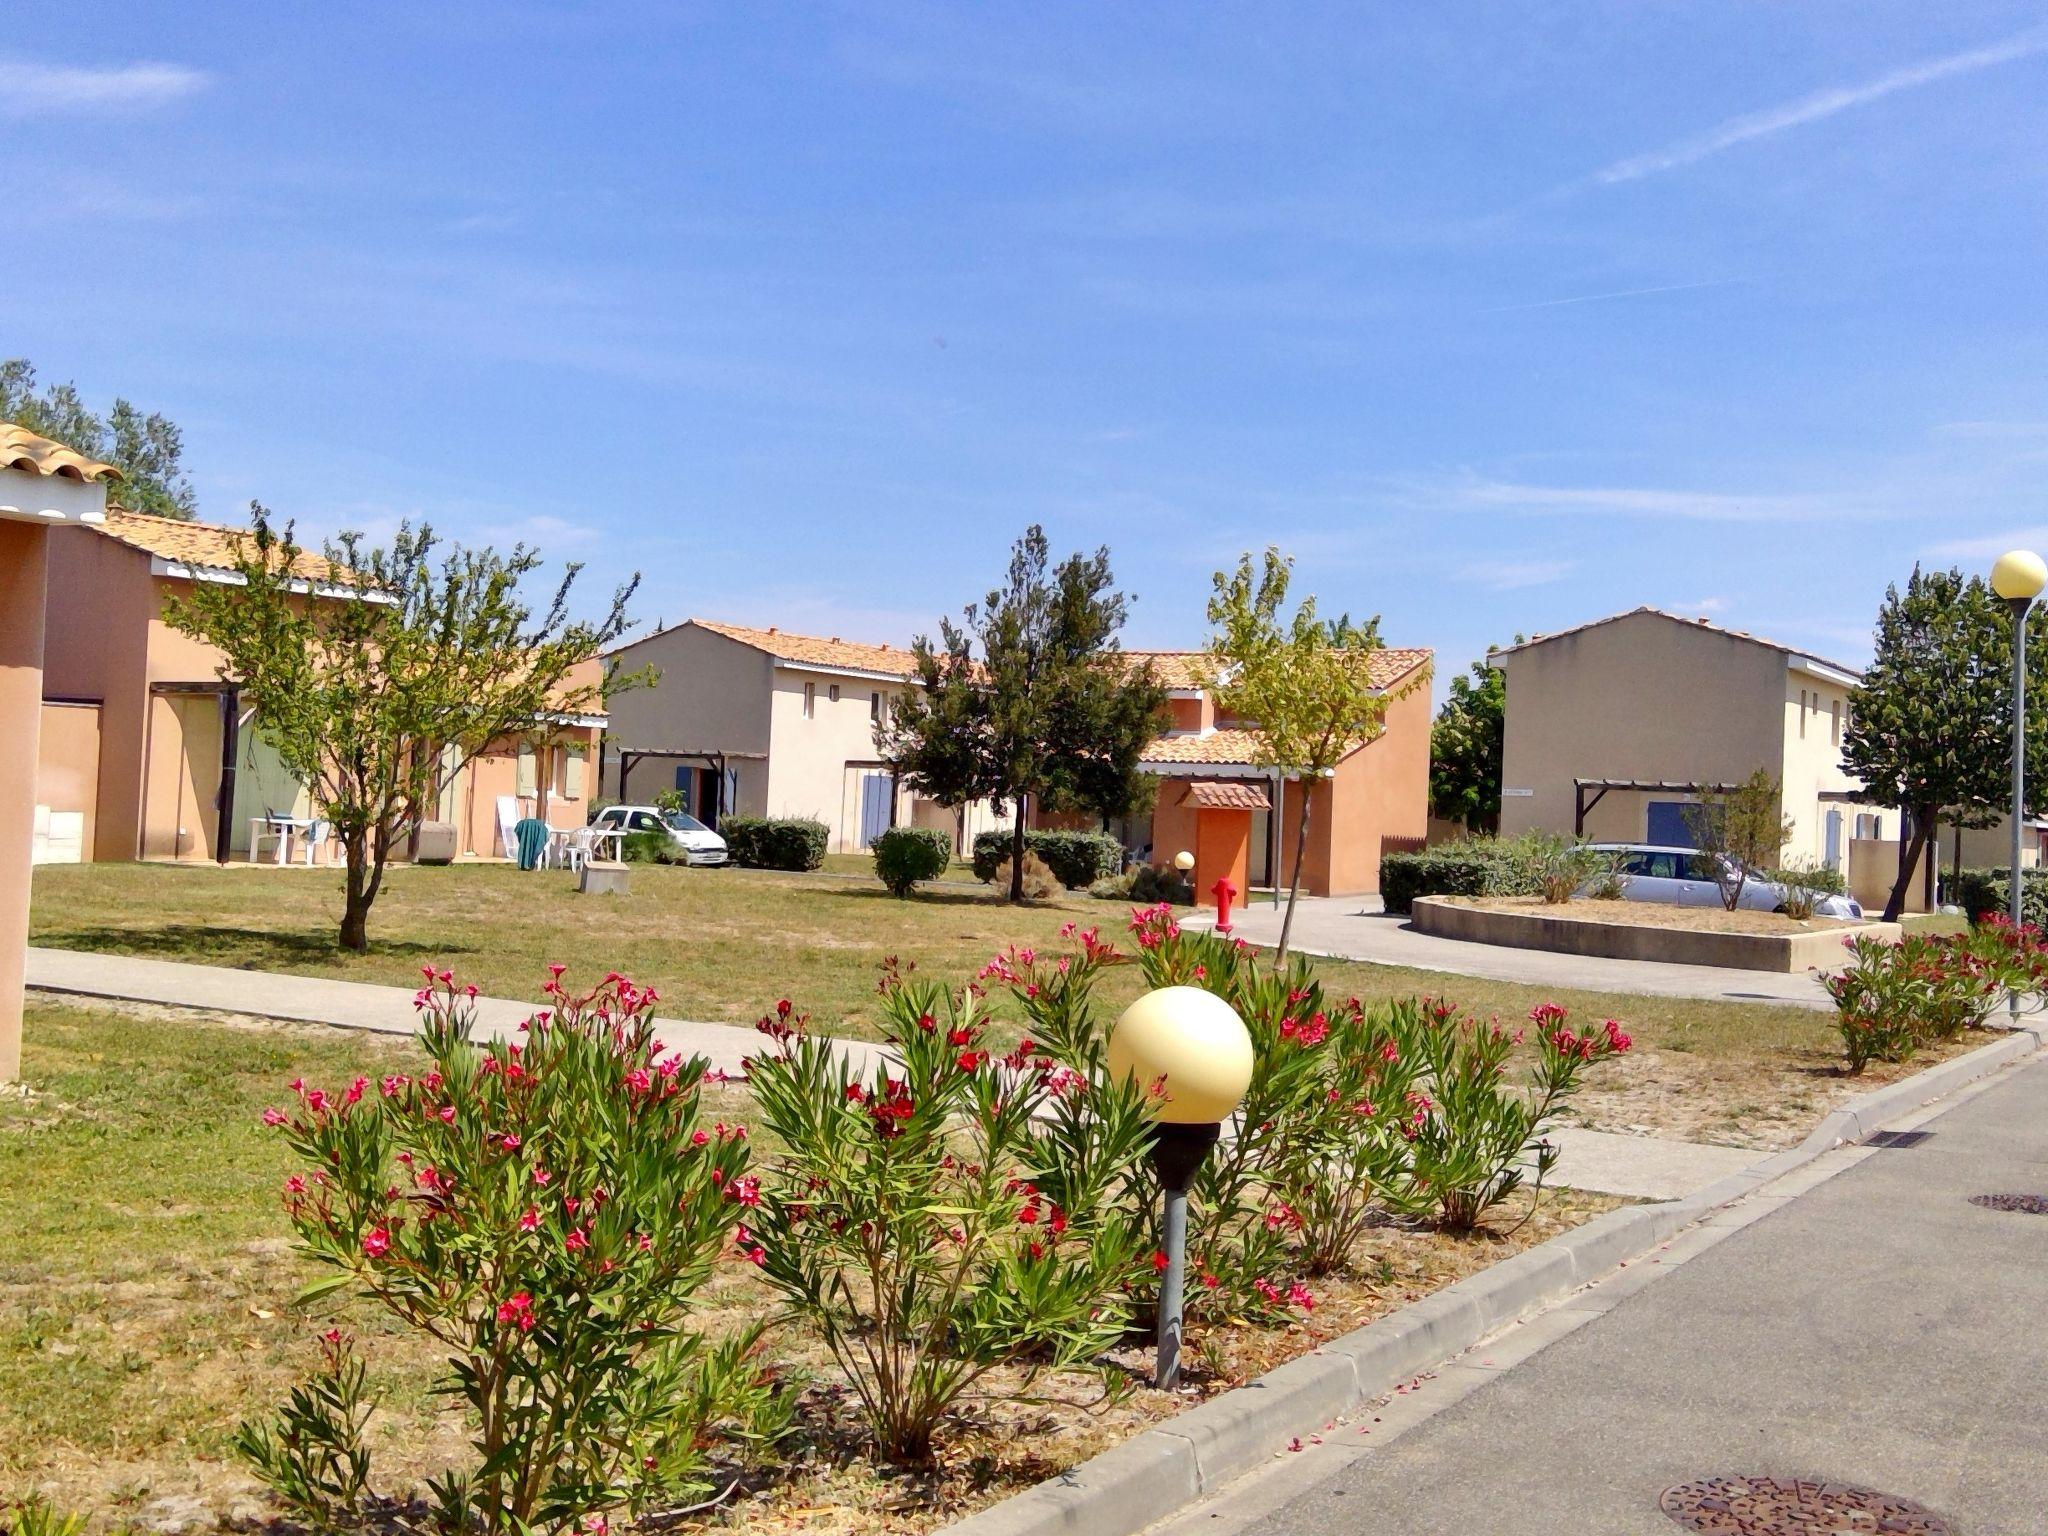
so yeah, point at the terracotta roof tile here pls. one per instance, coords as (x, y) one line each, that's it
(203, 546)
(809, 650)
(1208, 795)
(1182, 670)
(1231, 748)
(23, 449)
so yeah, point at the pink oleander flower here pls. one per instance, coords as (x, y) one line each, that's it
(378, 1242)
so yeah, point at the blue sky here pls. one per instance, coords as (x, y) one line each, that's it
(1499, 317)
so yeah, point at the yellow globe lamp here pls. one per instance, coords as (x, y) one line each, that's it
(1191, 1041)
(2019, 575)
(1192, 1045)
(1183, 861)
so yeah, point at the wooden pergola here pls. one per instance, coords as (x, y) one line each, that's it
(711, 757)
(1581, 806)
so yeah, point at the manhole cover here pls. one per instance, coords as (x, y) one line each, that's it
(1776, 1506)
(1899, 1138)
(2033, 1205)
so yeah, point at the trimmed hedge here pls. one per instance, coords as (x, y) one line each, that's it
(906, 855)
(1455, 869)
(755, 842)
(1077, 859)
(1982, 892)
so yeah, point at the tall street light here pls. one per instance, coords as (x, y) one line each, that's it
(2018, 577)
(1193, 1045)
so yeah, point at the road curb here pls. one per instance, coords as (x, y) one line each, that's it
(1162, 1470)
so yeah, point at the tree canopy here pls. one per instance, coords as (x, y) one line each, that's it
(148, 449)
(1465, 749)
(375, 692)
(1029, 697)
(1930, 727)
(1306, 682)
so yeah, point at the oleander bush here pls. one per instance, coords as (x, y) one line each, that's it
(755, 842)
(1987, 893)
(1077, 859)
(546, 1210)
(925, 1223)
(1894, 997)
(904, 856)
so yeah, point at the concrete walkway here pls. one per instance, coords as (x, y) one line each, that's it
(1643, 1167)
(1353, 928)
(1861, 1323)
(343, 1004)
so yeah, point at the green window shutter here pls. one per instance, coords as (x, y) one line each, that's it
(529, 779)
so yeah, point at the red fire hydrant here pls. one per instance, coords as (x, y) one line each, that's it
(1225, 893)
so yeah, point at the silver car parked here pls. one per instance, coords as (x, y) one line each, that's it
(1685, 877)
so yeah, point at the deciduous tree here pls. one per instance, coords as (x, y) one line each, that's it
(1465, 749)
(1306, 683)
(1745, 825)
(377, 685)
(1930, 728)
(1030, 697)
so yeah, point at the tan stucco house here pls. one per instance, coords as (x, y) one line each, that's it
(1613, 726)
(146, 753)
(762, 722)
(1375, 801)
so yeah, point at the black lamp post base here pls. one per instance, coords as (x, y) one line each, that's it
(1178, 1151)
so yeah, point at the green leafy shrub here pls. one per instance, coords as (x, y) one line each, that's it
(755, 842)
(1077, 859)
(1471, 868)
(922, 1222)
(38, 1517)
(906, 855)
(1892, 998)
(1985, 893)
(670, 799)
(649, 848)
(547, 1211)
(1147, 885)
(1471, 1131)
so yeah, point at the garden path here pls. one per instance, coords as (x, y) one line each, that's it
(1640, 1166)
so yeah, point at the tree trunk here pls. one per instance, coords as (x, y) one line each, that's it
(1017, 851)
(1294, 878)
(355, 912)
(1909, 859)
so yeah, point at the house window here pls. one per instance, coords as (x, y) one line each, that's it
(1835, 722)
(810, 700)
(832, 693)
(874, 706)
(1866, 824)
(1802, 713)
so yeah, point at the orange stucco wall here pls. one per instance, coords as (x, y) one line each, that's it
(68, 763)
(23, 564)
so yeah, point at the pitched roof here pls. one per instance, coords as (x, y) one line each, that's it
(1207, 795)
(200, 546)
(23, 449)
(1229, 747)
(1675, 618)
(1182, 670)
(810, 651)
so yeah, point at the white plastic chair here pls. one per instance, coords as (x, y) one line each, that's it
(571, 850)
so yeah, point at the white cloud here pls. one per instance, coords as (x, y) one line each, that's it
(1618, 293)
(1513, 575)
(28, 89)
(1991, 545)
(1702, 605)
(1816, 106)
(1639, 501)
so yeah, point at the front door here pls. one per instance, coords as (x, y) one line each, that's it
(877, 800)
(181, 798)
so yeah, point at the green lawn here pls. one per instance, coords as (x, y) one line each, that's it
(723, 945)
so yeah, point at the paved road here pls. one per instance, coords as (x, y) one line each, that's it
(1876, 1329)
(1352, 928)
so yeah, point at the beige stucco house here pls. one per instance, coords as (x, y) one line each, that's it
(1613, 726)
(762, 722)
(144, 751)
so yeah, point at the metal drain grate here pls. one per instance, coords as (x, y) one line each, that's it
(1899, 1138)
(1776, 1506)
(2032, 1205)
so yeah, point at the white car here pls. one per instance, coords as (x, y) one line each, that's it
(697, 843)
(1685, 877)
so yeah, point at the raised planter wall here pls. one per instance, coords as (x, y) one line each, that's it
(1449, 918)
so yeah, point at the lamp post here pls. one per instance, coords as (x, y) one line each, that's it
(2018, 577)
(1194, 1046)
